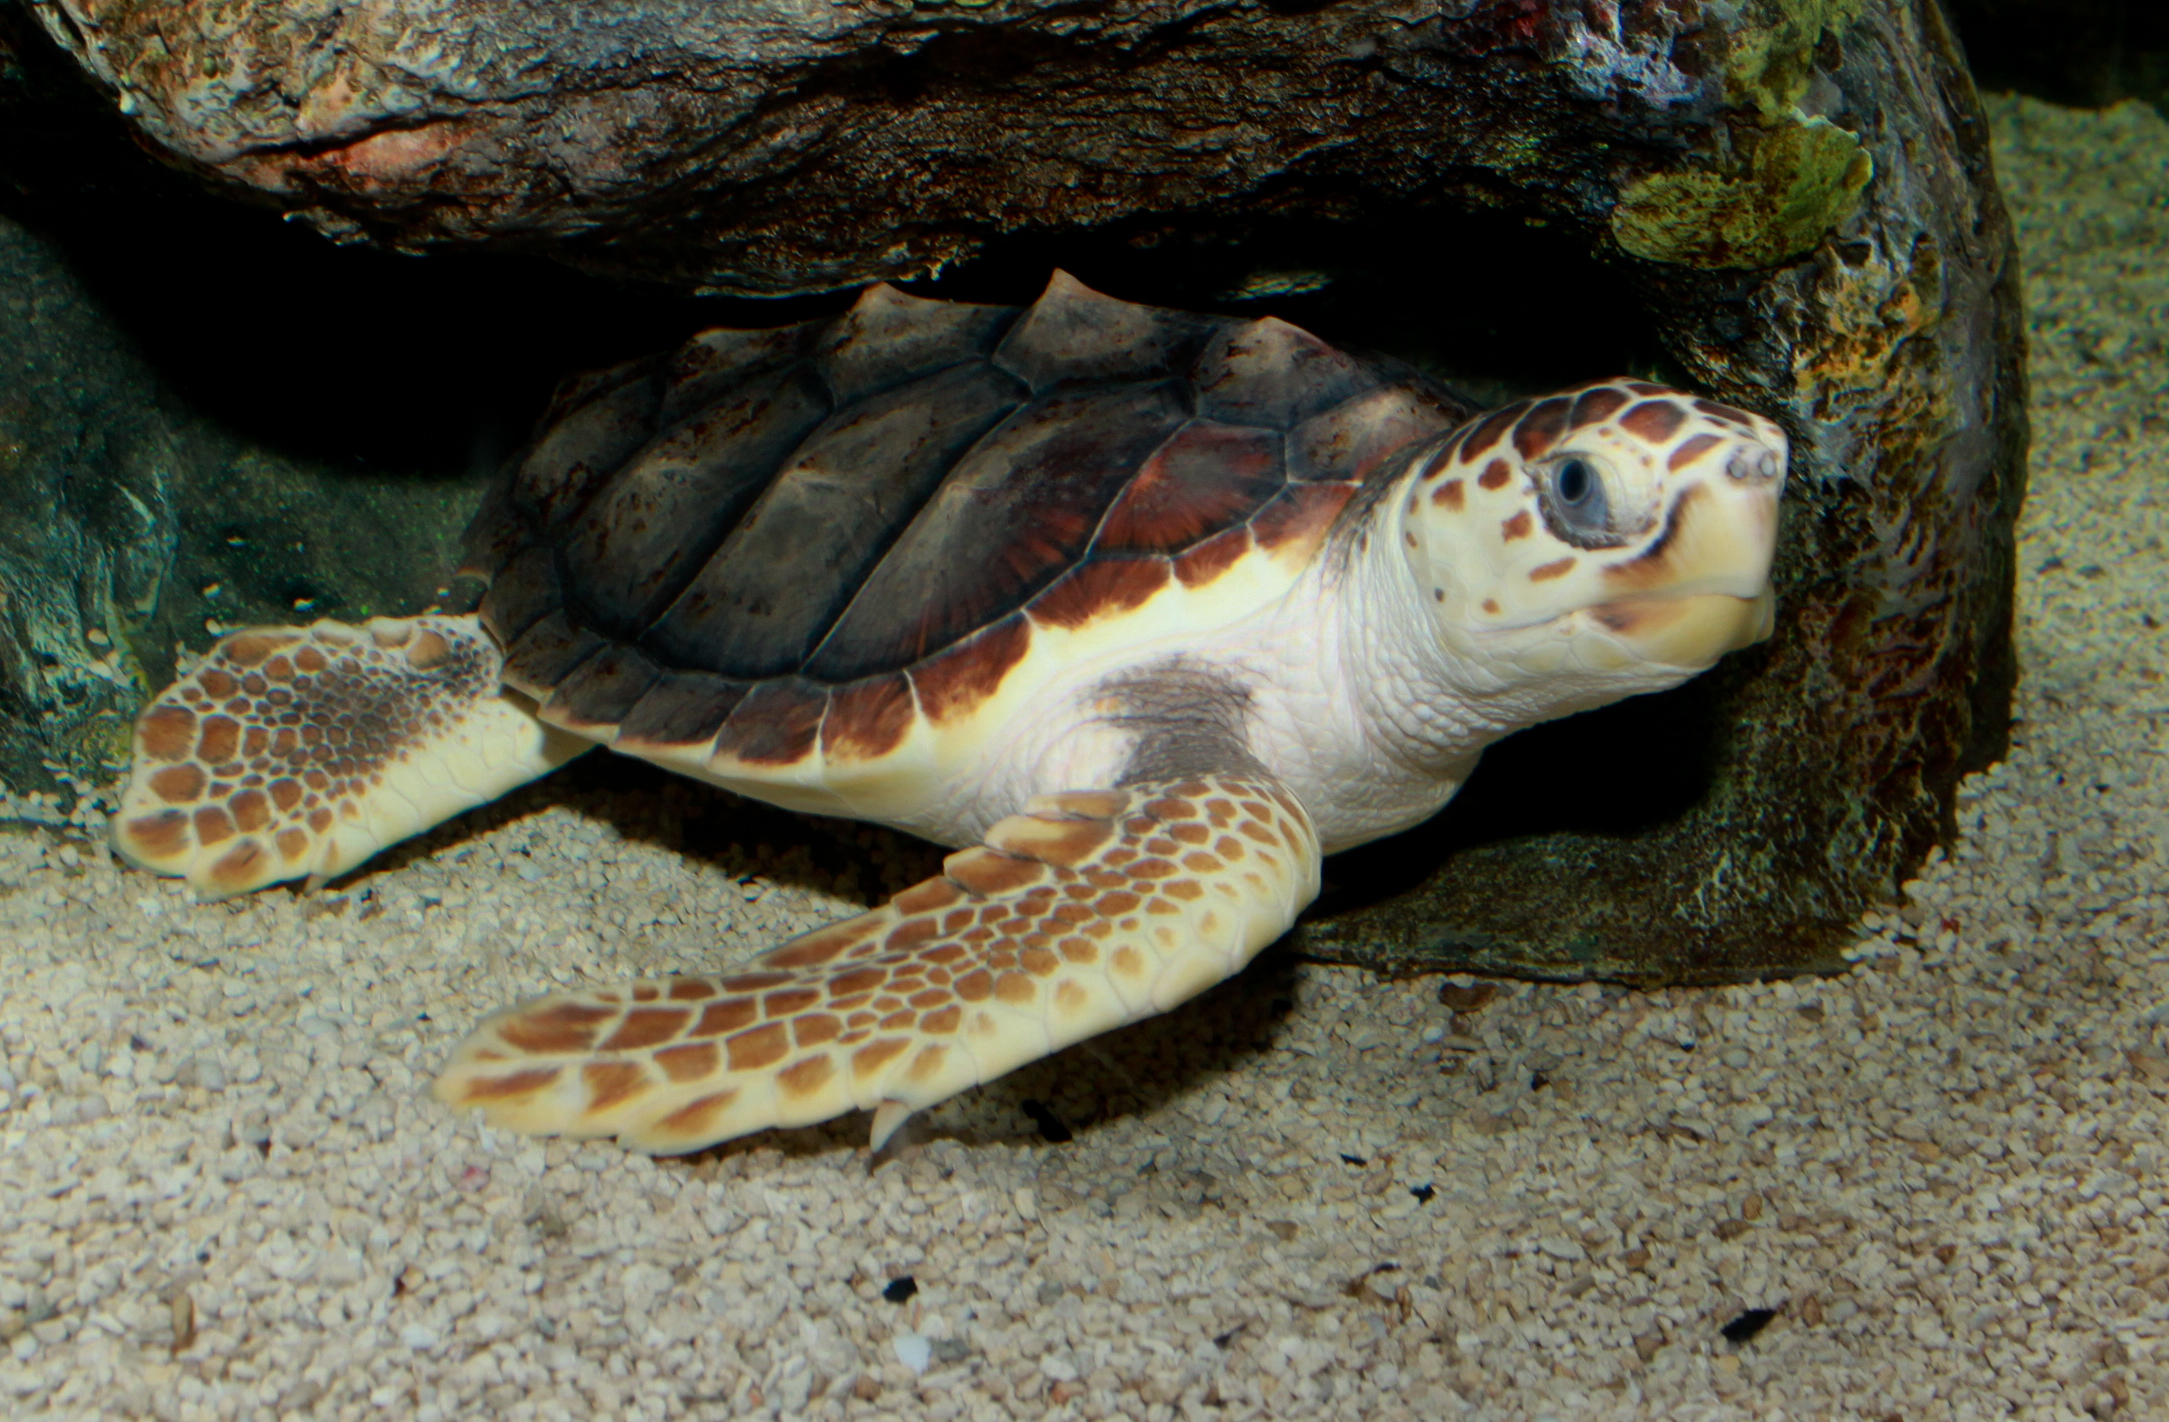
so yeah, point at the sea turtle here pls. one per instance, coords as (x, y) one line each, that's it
(1149, 609)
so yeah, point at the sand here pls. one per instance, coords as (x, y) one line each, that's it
(1938, 1181)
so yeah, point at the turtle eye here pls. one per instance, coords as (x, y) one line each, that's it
(1575, 504)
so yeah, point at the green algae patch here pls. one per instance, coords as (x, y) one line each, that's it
(1772, 49)
(1800, 181)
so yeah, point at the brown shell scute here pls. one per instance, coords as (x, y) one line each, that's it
(755, 609)
(1203, 478)
(1277, 375)
(1074, 334)
(772, 541)
(1013, 515)
(889, 339)
(589, 442)
(646, 534)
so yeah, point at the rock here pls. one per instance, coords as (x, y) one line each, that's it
(134, 523)
(768, 147)
(210, 418)
(1788, 204)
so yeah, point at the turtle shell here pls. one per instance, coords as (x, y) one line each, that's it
(769, 542)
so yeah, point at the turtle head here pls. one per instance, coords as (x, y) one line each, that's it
(1612, 539)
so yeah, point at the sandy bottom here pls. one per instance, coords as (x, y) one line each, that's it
(1937, 1181)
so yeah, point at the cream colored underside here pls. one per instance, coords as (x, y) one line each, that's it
(917, 786)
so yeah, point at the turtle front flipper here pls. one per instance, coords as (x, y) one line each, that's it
(301, 751)
(1089, 910)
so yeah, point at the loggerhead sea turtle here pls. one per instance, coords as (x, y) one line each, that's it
(1150, 609)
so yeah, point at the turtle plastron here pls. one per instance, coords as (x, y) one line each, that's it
(1090, 910)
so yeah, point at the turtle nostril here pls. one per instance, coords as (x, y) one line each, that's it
(1751, 466)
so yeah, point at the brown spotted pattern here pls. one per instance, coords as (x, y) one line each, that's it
(1497, 465)
(1089, 910)
(249, 764)
(1678, 428)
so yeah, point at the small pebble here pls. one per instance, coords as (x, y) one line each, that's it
(913, 1351)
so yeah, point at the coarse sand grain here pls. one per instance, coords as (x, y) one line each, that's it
(1935, 1183)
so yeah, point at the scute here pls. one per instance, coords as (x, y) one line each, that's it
(1273, 374)
(1075, 335)
(1205, 477)
(588, 442)
(890, 339)
(760, 604)
(1017, 512)
(770, 544)
(1349, 440)
(659, 521)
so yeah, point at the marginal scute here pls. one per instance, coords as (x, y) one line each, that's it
(522, 592)
(602, 690)
(778, 723)
(1301, 516)
(681, 708)
(955, 682)
(1075, 334)
(542, 656)
(1205, 563)
(1349, 441)
(888, 338)
(1103, 587)
(868, 719)
(1275, 375)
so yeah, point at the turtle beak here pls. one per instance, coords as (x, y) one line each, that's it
(1691, 631)
(1701, 587)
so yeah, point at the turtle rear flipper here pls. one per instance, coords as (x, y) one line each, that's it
(292, 752)
(1090, 910)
